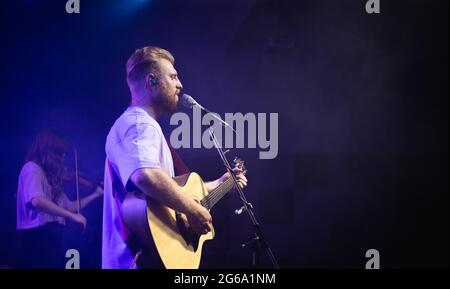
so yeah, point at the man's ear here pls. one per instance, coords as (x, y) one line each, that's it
(151, 80)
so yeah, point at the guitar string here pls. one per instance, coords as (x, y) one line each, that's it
(211, 198)
(216, 194)
(217, 197)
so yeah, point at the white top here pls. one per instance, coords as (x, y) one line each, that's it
(33, 183)
(135, 141)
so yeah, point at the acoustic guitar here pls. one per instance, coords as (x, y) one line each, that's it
(158, 227)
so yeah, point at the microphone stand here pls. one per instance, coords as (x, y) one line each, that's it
(257, 239)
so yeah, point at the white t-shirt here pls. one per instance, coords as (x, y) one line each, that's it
(33, 183)
(135, 141)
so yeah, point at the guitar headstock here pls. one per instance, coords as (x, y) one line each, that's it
(240, 164)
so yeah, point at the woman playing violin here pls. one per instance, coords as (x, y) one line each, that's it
(42, 205)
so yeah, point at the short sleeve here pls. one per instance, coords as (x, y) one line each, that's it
(140, 148)
(33, 183)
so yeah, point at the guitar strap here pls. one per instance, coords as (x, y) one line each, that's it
(119, 193)
(180, 167)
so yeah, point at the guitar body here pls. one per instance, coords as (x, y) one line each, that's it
(159, 227)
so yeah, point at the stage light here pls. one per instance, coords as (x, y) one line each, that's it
(127, 6)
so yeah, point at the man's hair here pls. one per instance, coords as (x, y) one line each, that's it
(145, 60)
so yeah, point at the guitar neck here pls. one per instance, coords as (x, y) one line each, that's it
(217, 194)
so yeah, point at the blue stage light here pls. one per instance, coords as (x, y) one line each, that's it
(127, 6)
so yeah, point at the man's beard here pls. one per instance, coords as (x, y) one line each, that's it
(165, 102)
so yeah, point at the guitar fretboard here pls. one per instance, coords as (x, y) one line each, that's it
(215, 195)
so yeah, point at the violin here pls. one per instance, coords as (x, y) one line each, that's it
(84, 181)
(81, 180)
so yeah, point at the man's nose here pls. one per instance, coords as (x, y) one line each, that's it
(179, 85)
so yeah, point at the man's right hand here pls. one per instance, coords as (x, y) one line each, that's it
(199, 219)
(78, 218)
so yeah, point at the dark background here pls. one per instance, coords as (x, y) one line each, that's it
(362, 102)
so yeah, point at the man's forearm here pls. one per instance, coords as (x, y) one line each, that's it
(212, 185)
(160, 186)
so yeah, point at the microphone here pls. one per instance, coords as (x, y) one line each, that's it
(189, 102)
